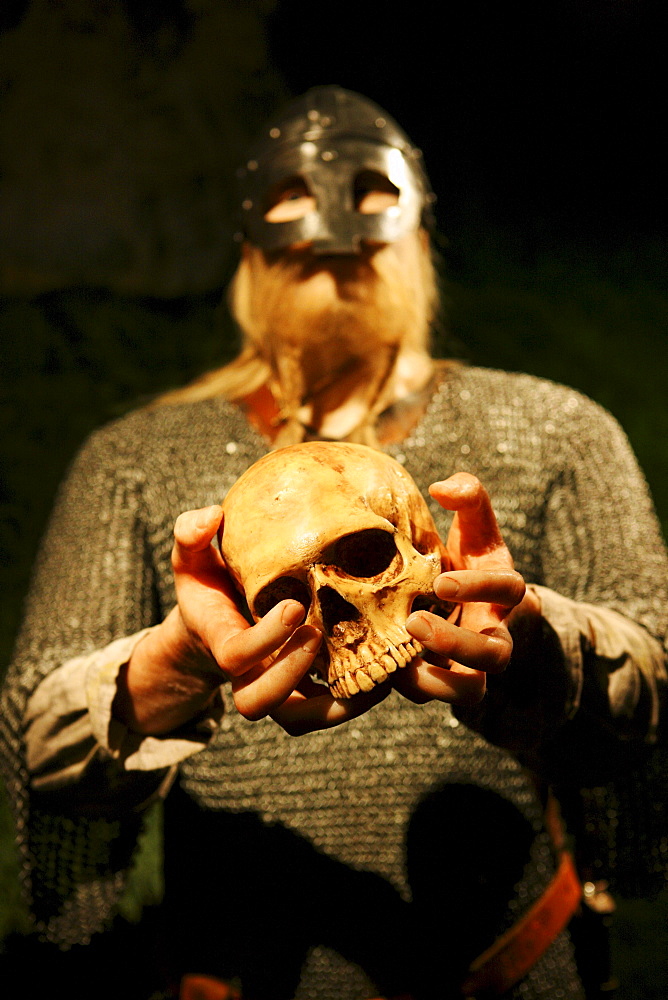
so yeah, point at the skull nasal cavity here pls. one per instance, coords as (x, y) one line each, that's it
(335, 609)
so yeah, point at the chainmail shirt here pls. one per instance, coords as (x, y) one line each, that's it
(385, 810)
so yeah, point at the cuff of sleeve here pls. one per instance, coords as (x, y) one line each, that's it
(135, 751)
(617, 658)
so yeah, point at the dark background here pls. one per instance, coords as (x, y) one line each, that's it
(542, 130)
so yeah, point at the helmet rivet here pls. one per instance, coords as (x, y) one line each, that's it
(247, 204)
(251, 165)
(274, 133)
(326, 121)
(380, 123)
(313, 115)
(328, 154)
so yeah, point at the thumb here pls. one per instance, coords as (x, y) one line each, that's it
(194, 531)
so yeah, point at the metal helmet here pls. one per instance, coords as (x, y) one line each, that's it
(328, 138)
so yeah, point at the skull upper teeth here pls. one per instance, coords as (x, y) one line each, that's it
(372, 672)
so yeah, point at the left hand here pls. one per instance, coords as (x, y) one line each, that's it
(484, 584)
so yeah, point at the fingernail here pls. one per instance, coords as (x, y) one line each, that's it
(446, 586)
(292, 614)
(312, 644)
(419, 628)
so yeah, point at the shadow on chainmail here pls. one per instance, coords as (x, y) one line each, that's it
(246, 900)
(122, 963)
(466, 849)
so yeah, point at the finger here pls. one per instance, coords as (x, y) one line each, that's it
(299, 715)
(310, 688)
(465, 494)
(205, 591)
(489, 651)
(193, 552)
(208, 599)
(502, 587)
(194, 530)
(421, 682)
(264, 687)
(486, 619)
(475, 532)
(241, 651)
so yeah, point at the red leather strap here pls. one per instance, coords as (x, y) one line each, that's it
(196, 986)
(511, 956)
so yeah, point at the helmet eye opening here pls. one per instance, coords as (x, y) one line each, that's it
(288, 199)
(374, 193)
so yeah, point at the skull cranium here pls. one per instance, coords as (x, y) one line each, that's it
(343, 529)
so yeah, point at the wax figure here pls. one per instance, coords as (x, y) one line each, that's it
(402, 832)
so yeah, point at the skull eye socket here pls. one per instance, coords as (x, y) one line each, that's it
(282, 589)
(364, 554)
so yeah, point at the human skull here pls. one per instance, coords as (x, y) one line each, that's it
(343, 529)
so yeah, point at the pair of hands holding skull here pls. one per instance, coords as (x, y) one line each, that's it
(177, 667)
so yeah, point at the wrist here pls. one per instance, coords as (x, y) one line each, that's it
(169, 679)
(525, 623)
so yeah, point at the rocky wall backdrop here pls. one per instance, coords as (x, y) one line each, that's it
(122, 123)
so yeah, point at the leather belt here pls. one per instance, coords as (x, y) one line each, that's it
(512, 955)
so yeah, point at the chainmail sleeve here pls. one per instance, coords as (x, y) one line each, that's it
(93, 583)
(602, 541)
(103, 573)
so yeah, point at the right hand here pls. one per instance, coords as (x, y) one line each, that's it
(217, 630)
(205, 639)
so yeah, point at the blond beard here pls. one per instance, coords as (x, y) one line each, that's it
(331, 331)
